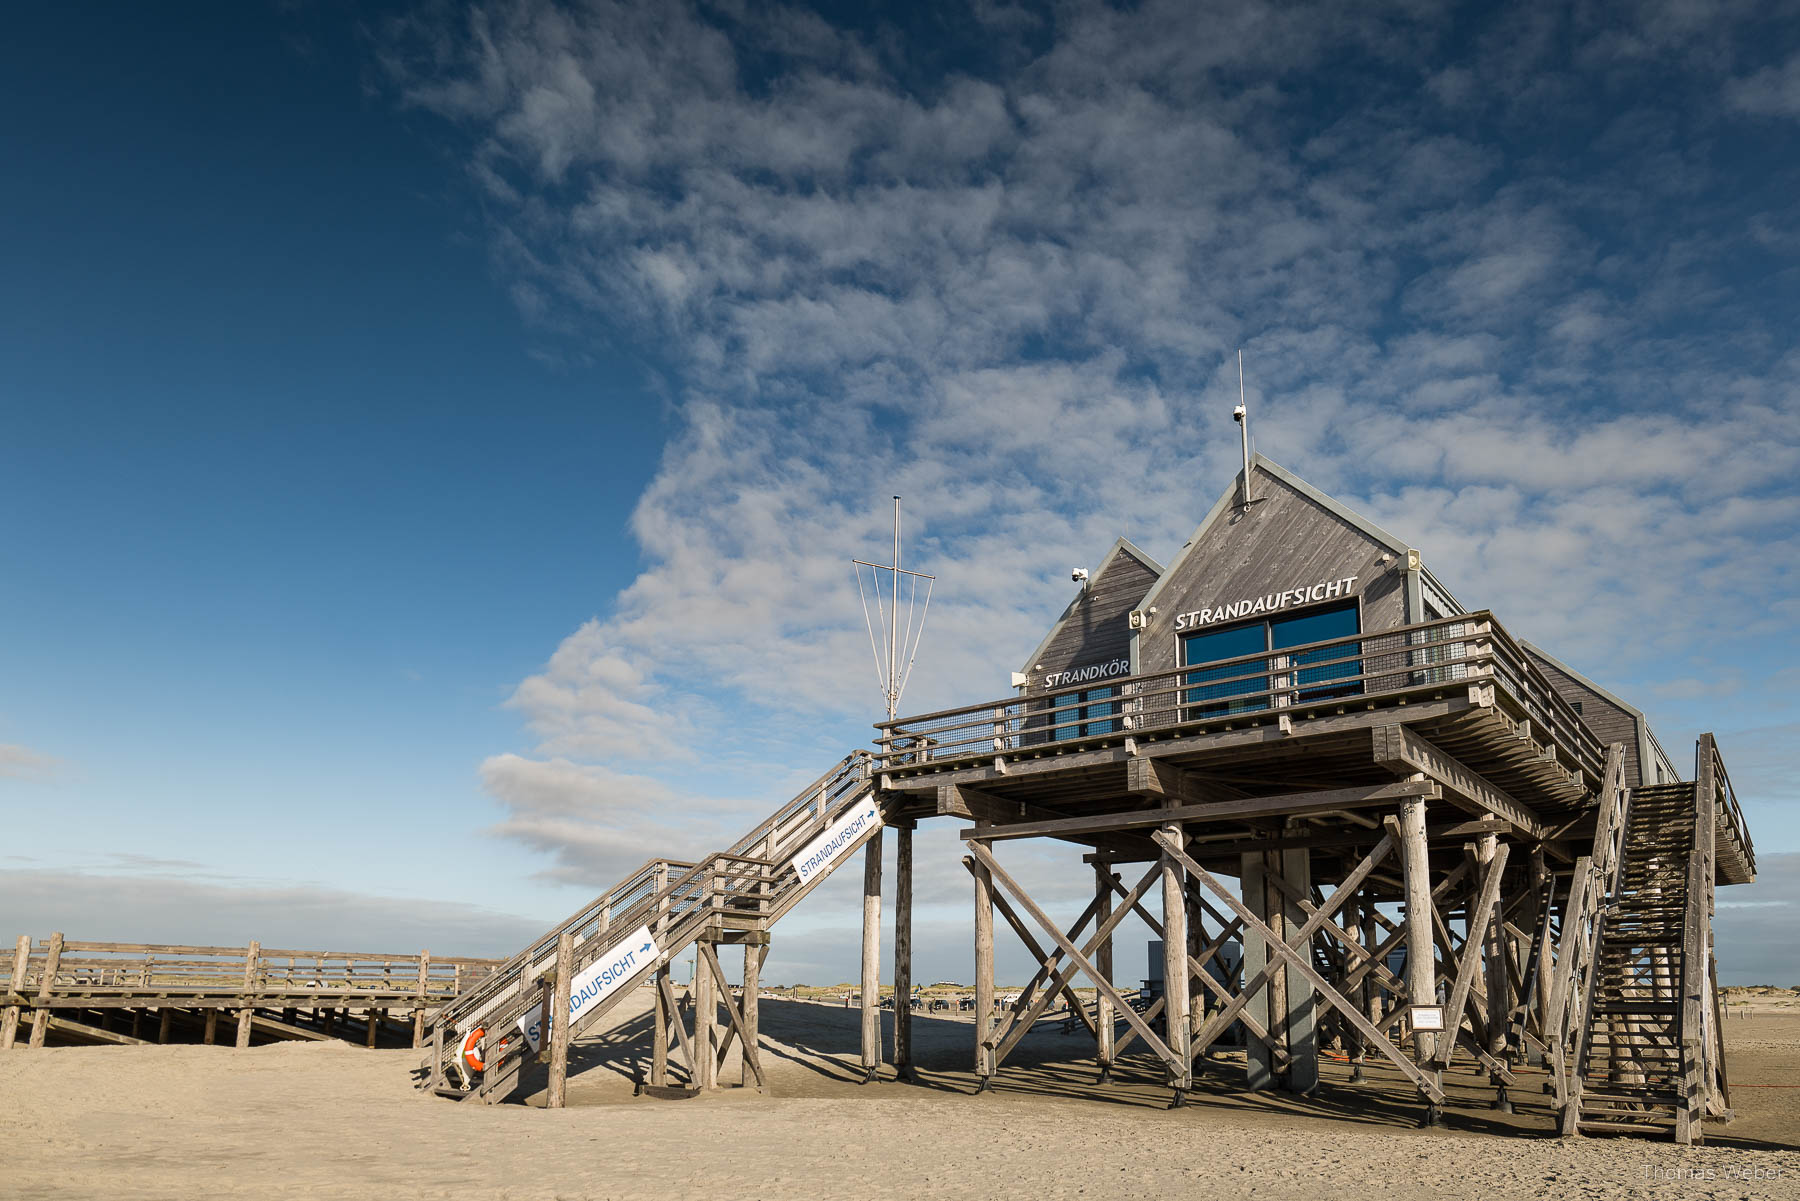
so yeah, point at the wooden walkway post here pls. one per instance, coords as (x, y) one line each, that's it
(1103, 960)
(40, 1017)
(659, 1039)
(871, 958)
(903, 903)
(1175, 967)
(984, 972)
(1421, 948)
(252, 957)
(9, 1023)
(556, 1095)
(706, 1019)
(424, 998)
(754, 954)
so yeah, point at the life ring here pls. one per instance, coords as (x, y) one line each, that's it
(471, 1050)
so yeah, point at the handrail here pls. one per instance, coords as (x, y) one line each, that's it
(1410, 659)
(1734, 814)
(669, 896)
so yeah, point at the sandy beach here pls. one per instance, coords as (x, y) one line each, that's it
(331, 1120)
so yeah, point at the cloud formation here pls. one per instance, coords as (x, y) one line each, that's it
(1495, 285)
(21, 761)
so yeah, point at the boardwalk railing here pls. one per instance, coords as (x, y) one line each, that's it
(55, 974)
(1428, 658)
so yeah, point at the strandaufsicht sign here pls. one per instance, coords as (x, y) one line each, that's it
(600, 979)
(817, 856)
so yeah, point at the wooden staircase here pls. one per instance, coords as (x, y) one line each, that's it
(1629, 1055)
(732, 896)
(1648, 1055)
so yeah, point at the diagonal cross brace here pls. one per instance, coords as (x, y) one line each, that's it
(1471, 950)
(1220, 1021)
(1080, 959)
(737, 1022)
(1426, 1084)
(1047, 965)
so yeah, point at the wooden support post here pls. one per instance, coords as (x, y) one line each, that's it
(1421, 953)
(706, 1018)
(1294, 994)
(1259, 1056)
(984, 972)
(40, 1017)
(424, 998)
(556, 1094)
(871, 958)
(212, 1028)
(903, 904)
(1499, 983)
(1103, 960)
(162, 1027)
(754, 954)
(9, 1023)
(371, 1026)
(252, 965)
(1175, 966)
(1369, 996)
(659, 1035)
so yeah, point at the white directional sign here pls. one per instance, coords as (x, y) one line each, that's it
(600, 979)
(817, 856)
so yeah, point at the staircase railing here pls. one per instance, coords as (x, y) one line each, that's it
(677, 901)
(1594, 883)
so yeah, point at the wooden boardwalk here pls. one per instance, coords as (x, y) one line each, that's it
(126, 993)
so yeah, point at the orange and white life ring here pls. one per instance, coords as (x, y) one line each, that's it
(471, 1050)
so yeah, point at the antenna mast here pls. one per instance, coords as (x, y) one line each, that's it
(1242, 413)
(902, 641)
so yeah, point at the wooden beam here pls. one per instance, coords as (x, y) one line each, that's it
(557, 1093)
(903, 907)
(986, 858)
(1404, 752)
(1291, 803)
(1472, 950)
(1165, 781)
(871, 957)
(1299, 963)
(747, 1042)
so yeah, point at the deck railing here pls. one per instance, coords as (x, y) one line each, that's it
(1427, 658)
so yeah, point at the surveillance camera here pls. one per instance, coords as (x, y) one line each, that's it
(1078, 575)
(1237, 414)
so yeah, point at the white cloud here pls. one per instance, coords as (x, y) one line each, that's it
(1011, 294)
(1770, 92)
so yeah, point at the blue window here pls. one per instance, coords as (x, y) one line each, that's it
(1212, 689)
(1085, 714)
(1245, 686)
(1334, 663)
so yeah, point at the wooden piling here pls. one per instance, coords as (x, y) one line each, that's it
(984, 971)
(1175, 964)
(659, 1036)
(706, 1018)
(903, 903)
(557, 1094)
(1421, 948)
(424, 998)
(871, 958)
(211, 1037)
(9, 1022)
(252, 957)
(754, 954)
(40, 1017)
(1103, 960)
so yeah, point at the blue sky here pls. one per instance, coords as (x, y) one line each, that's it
(424, 427)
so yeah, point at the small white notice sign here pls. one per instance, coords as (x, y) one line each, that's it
(817, 856)
(1427, 1017)
(600, 979)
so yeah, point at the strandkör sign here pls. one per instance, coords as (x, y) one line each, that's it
(817, 856)
(600, 979)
